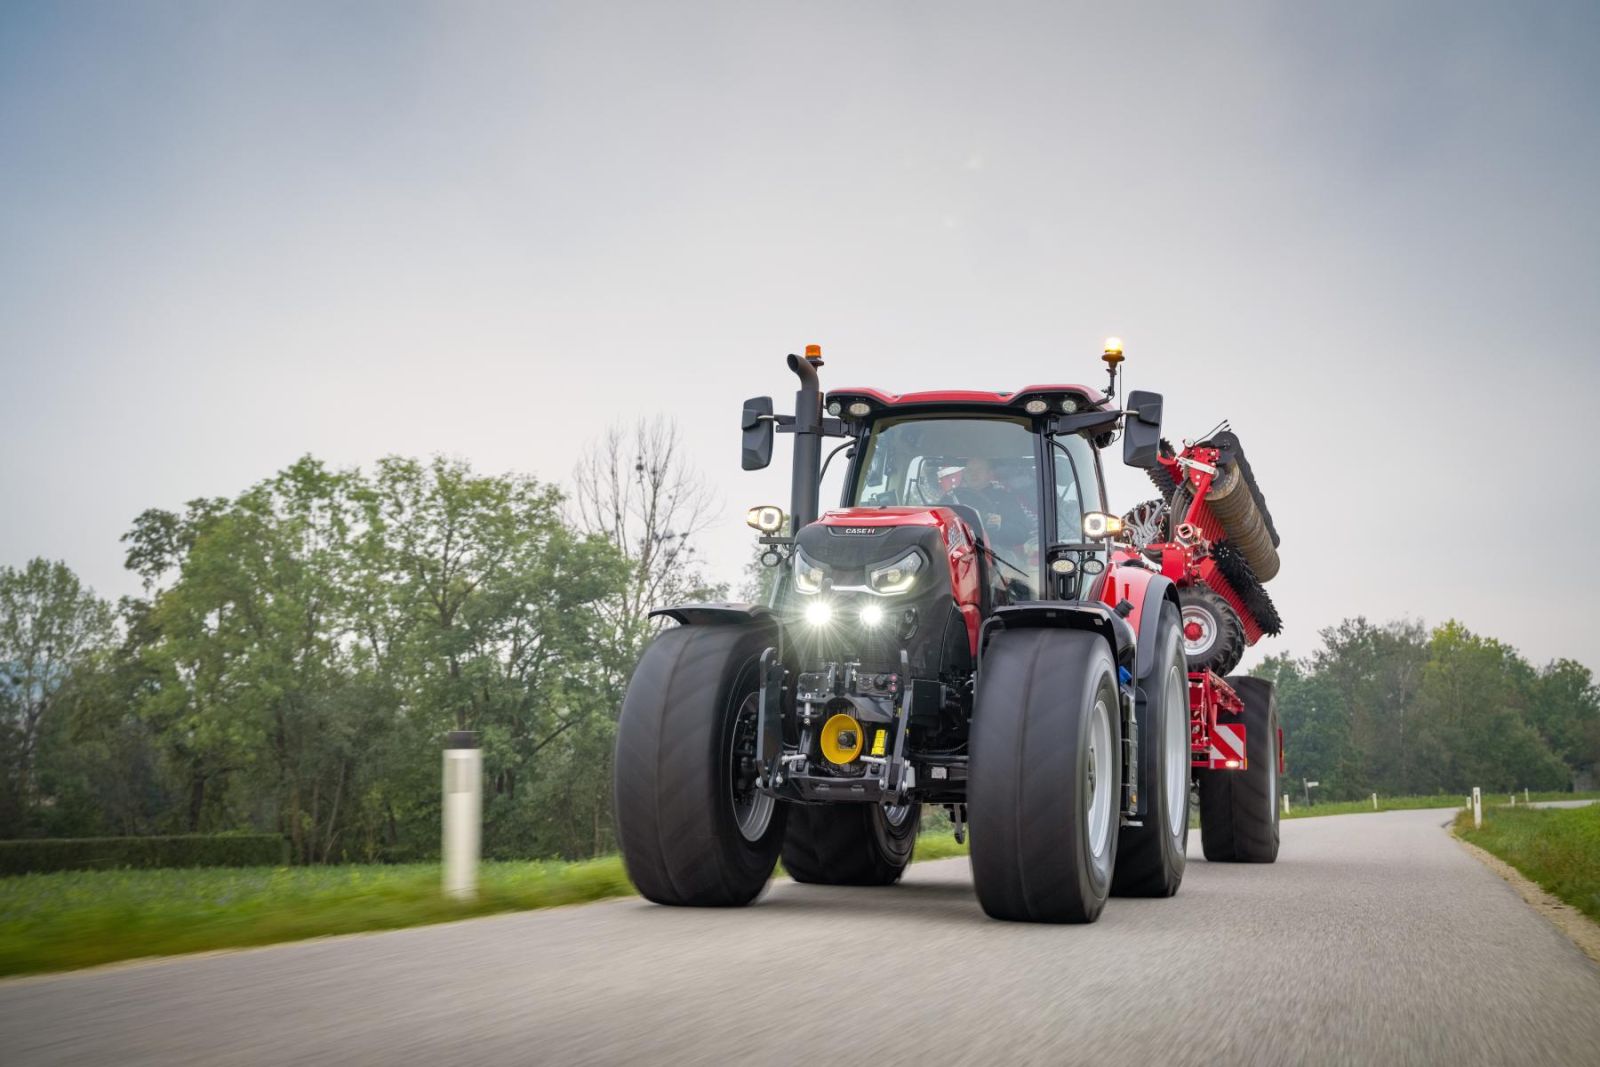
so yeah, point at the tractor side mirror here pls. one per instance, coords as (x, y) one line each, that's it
(1141, 430)
(756, 425)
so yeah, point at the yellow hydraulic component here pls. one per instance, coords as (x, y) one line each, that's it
(841, 738)
(879, 740)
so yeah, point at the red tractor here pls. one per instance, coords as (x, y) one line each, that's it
(970, 628)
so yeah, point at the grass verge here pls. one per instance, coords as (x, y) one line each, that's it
(1445, 800)
(71, 919)
(1557, 848)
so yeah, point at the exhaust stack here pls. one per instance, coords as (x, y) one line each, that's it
(807, 439)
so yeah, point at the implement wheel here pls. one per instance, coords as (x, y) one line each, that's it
(1213, 637)
(1239, 809)
(850, 844)
(1150, 858)
(692, 827)
(1044, 787)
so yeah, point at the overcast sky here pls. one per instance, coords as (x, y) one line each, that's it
(1367, 233)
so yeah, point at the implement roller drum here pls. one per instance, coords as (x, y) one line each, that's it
(1231, 501)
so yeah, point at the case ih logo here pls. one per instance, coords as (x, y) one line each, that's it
(860, 531)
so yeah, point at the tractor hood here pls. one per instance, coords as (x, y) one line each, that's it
(851, 539)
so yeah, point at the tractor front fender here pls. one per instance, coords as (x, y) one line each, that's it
(1144, 589)
(719, 613)
(1156, 589)
(1091, 616)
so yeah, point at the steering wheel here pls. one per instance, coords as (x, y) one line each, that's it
(1004, 520)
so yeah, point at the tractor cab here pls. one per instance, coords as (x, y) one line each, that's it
(1018, 488)
(1018, 473)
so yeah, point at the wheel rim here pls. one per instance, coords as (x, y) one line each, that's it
(752, 809)
(1199, 628)
(1098, 785)
(1272, 771)
(1177, 754)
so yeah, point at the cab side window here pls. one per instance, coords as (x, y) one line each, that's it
(1077, 486)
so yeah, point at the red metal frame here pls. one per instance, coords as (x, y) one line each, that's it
(1188, 560)
(1216, 738)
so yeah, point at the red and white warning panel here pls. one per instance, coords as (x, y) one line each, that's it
(1227, 747)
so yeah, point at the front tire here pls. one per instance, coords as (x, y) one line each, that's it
(1044, 789)
(1151, 858)
(692, 829)
(850, 844)
(1239, 809)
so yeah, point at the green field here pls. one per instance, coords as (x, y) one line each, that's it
(59, 921)
(1447, 800)
(1559, 848)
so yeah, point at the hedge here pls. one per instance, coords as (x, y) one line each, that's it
(186, 850)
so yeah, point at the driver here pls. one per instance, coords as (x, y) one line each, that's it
(1008, 517)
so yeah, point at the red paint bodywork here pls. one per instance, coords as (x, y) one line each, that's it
(961, 553)
(1126, 583)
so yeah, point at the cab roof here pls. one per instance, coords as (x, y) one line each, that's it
(968, 398)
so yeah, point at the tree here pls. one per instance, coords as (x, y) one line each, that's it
(251, 652)
(636, 489)
(1316, 725)
(1475, 697)
(308, 644)
(496, 620)
(50, 628)
(1565, 709)
(1374, 673)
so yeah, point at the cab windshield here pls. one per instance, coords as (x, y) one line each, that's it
(985, 468)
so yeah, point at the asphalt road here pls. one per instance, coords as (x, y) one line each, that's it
(1374, 940)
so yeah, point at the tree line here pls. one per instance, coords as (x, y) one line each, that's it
(299, 652)
(1399, 709)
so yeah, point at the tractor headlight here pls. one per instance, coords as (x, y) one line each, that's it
(1097, 524)
(808, 574)
(897, 576)
(819, 613)
(768, 518)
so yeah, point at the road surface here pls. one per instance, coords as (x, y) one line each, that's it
(1374, 939)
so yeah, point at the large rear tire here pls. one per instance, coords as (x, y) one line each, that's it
(849, 844)
(1044, 789)
(692, 828)
(1151, 857)
(1239, 809)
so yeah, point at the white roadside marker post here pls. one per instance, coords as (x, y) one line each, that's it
(1477, 809)
(1374, 802)
(1286, 803)
(463, 813)
(1525, 794)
